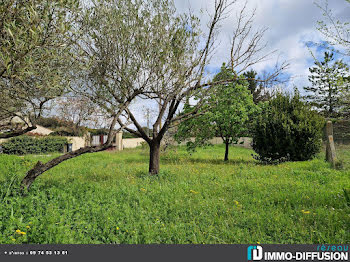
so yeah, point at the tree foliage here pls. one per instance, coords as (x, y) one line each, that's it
(35, 39)
(287, 129)
(259, 91)
(226, 111)
(330, 80)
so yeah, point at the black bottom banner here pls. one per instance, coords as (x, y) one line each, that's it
(164, 253)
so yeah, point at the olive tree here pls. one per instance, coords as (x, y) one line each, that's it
(102, 69)
(181, 62)
(35, 41)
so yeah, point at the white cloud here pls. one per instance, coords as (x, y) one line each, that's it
(291, 24)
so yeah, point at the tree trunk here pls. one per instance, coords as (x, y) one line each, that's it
(226, 150)
(40, 168)
(154, 157)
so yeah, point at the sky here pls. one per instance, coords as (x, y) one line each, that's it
(291, 25)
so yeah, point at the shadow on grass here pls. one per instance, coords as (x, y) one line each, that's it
(235, 161)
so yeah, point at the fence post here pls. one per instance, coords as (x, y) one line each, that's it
(331, 156)
(119, 141)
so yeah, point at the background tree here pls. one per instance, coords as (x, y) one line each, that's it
(35, 43)
(257, 89)
(327, 85)
(77, 110)
(226, 111)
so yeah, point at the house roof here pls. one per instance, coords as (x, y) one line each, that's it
(41, 130)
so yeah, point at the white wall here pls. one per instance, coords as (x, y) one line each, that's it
(135, 142)
(132, 142)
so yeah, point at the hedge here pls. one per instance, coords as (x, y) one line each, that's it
(22, 145)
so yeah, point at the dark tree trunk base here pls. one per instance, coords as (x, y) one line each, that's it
(154, 158)
(227, 146)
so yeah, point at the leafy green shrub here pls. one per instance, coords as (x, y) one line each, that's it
(22, 145)
(287, 129)
(64, 133)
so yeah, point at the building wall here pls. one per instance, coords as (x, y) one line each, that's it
(132, 142)
(135, 142)
(78, 142)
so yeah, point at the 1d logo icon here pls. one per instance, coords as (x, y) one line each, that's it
(255, 253)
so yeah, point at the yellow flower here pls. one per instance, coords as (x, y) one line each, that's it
(23, 233)
(236, 202)
(258, 242)
(305, 212)
(13, 239)
(117, 228)
(142, 189)
(28, 227)
(193, 192)
(18, 231)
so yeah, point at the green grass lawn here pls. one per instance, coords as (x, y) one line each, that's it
(109, 198)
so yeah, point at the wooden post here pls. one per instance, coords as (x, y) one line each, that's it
(331, 156)
(119, 141)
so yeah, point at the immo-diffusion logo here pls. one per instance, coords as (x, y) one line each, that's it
(323, 253)
(255, 252)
